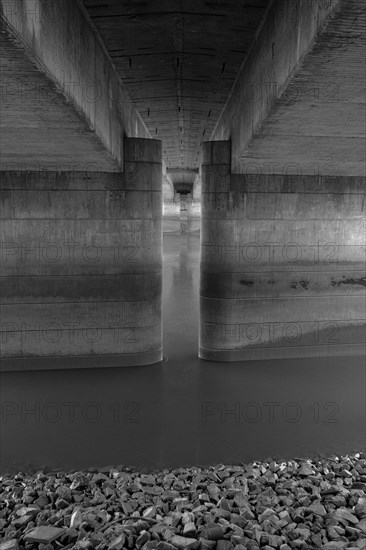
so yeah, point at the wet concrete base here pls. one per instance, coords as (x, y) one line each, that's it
(182, 411)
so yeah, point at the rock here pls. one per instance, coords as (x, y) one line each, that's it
(332, 533)
(9, 545)
(149, 512)
(61, 504)
(64, 492)
(147, 480)
(28, 510)
(224, 545)
(180, 501)
(334, 545)
(207, 544)
(142, 525)
(117, 543)
(268, 505)
(167, 533)
(271, 540)
(76, 519)
(142, 539)
(360, 507)
(189, 529)
(317, 508)
(71, 535)
(96, 538)
(213, 492)
(305, 470)
(45, 533)
(129, 507)
(362, 525)
(345, 515)
(213, 533)
(42, 501)
(152, 490)
(187, 517)
(83, 545)
(99, 478)
(303, 533)
(22, 521)
(165, 546)
(184, 543)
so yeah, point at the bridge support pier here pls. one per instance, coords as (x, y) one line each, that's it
(171, 217)
(282, 263)
(81, 263)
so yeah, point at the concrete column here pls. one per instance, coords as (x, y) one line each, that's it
(81, 265)
(282, 263)
(193, 216)
(183, 214)
(171, 218)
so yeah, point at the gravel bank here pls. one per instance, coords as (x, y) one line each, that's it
(294, 504)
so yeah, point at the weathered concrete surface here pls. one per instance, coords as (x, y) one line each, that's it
(168, 186)
(298, 104)
(193, 215)
(183, 179)
(282, 263)
(81, 265)
(181, 214)
(63, 105)
(196, 192)
(171, 215)
(179, 60)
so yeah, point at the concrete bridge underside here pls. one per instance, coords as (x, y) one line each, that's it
(249, 114)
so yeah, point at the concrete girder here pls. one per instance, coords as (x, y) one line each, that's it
(298, 103)
(64, 106)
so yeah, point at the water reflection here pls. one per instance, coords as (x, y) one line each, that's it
(182, 411)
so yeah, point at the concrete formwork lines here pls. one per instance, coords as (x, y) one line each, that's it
(81, 265)
(281, 275)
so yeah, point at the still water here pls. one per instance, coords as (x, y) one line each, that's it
(182, 411)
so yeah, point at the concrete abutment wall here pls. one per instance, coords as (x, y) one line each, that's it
(81, 265)
(282, 263)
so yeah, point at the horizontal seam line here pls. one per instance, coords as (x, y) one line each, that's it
(286, 297)
(349, 322)
(250, 348)
(113, 327)
(273, 272)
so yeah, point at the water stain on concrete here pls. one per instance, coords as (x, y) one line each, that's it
(303, 284)
(246, 282)
(351, 281)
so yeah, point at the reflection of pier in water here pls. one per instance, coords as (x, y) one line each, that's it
(183, 410)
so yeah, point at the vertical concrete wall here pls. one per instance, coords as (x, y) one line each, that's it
(184, 202)
(193, 216)
(81, 265)
(282, 263)
(168, 187)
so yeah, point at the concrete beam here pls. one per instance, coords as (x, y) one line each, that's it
(297, 102)
(64, 106)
